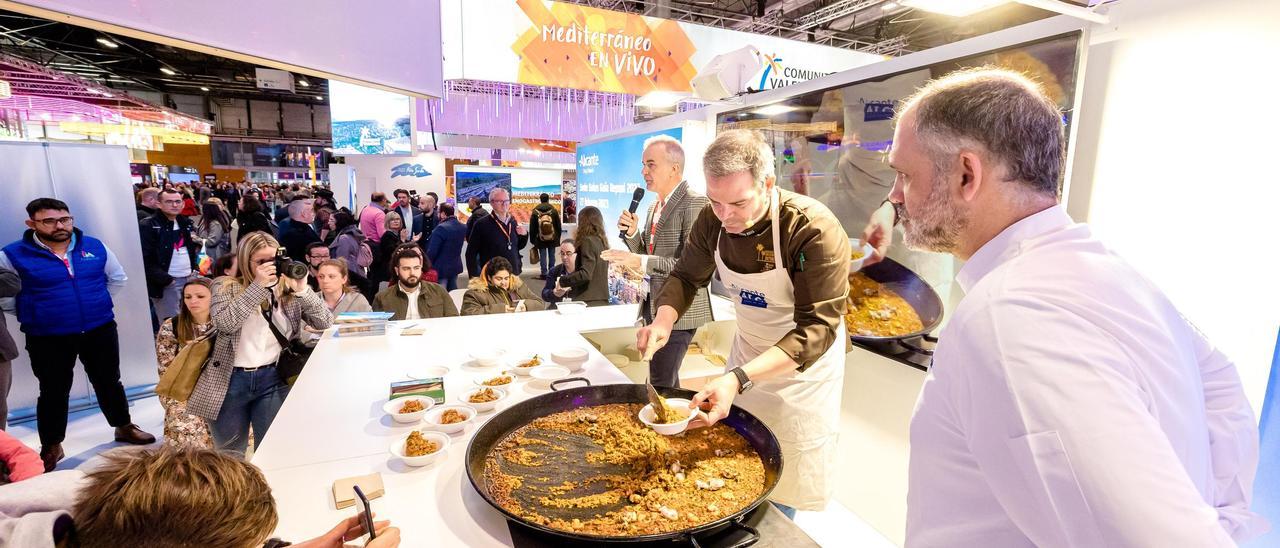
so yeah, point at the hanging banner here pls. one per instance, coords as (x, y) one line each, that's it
(573, 46)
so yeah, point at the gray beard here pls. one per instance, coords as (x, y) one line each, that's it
(938, 225)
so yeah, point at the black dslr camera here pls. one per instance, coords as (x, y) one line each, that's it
(289, 268)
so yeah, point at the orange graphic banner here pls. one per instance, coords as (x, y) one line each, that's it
(574, 46)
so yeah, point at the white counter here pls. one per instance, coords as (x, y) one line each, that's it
(332, 425)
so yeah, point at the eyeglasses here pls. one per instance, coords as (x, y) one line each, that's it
(566, 253)
(53, 222)
(499, 201)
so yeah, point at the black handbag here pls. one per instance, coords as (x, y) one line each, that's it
(293, 353)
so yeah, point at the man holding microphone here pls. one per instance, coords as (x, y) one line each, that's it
(654, 249)
(785, 260)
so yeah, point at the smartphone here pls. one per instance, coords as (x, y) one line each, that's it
(366, 513)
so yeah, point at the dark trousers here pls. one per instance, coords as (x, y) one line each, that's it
(53, 360)
(664, 368)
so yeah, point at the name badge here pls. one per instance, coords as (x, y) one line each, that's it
(753, 298)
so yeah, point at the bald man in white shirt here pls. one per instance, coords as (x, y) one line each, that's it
(1069, 403)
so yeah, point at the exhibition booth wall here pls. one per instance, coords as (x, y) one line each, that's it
(94, 182)
(423, 172)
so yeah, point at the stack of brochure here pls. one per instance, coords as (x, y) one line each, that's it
(362, 324)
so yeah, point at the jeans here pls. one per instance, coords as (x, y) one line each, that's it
(664, 368)
(253, 397)
(786, 510)
(170, 300)
(450, 283)
(53, 360)
(547, 259)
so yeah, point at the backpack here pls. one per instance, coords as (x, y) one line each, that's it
(366, 255)
(546, 228)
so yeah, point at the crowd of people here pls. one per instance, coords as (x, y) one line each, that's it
(212, 254)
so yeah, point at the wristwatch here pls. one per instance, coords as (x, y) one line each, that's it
(744, 382)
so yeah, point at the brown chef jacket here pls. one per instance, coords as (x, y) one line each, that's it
(815, 252)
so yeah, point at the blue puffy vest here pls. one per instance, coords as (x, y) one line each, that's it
(52, 302)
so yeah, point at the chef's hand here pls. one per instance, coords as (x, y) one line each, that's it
(625, 258)
(879, 233)
(560, 291)
(719, 393)
(651, 338)
(352, 528)
(627, 223)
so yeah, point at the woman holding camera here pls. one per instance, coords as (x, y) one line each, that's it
(240, 385)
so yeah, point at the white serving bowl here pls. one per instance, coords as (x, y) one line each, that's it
(479, 379)
(513, 363)
(392, 407)
(433, 418)
(397, 448)
(646, 416)
(485, 406)
(571, 307)
(428, 372)
(487, 357)
(544, 375)
(866, 249)
(572, 357)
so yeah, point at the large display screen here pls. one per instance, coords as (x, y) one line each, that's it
(608, 174)
(369, 121)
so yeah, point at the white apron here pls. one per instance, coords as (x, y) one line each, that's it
(802, 408)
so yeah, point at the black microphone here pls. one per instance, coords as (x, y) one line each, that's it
(635, 204)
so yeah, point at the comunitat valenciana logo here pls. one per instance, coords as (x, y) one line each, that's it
(776, 75)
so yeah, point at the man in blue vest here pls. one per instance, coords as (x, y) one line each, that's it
(66, 312)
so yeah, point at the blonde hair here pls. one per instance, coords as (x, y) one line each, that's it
(737, 151)
(174, 497)
(246, 271)
(392, 216)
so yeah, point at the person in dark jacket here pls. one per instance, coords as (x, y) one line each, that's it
(148, 202)
(444, 249)
(477, 212)
(252, 218)
(496, 235)
(169, 251)
(299, 233)
(392, 237)
(544, 233)
(553, 292)
(10, 286)
(65, 310)
(590, 277)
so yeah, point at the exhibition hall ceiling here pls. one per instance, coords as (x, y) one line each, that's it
(876, 26)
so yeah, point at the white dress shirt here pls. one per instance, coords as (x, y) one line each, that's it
(258, 345)
(1070, 404)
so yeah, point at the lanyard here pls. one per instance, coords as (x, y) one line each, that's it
(653, 227)
(505, 231)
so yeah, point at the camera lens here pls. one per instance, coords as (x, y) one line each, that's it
(295, 270)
